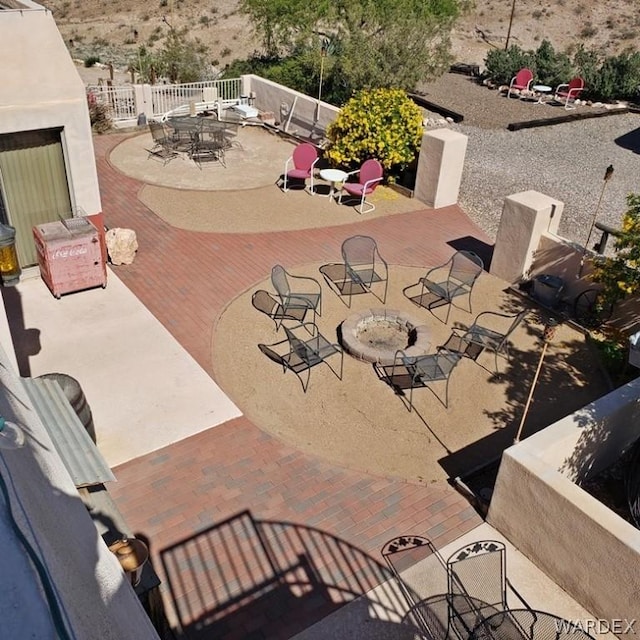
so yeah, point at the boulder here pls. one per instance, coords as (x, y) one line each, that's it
(122, 245)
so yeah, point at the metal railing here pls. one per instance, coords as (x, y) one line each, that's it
(122, 101)
(119, 100)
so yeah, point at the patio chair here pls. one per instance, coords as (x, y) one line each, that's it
(478, 583)
(362, 269)
(209, 145)
(567, 94)
(370, 175)
(264, 302)
(479, 337)
(304, 348)
(403, 553)
(415, 372)
(300, 165)
(443, 284)
(306, 296)
(163, 146)
(520, 82)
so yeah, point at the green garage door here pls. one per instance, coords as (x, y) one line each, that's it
(33, 185)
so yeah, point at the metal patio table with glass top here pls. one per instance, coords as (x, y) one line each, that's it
(527, 624)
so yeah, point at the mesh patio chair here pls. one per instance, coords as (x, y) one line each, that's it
(296, 292)
(416, 372)
(304, 348)
(443, 284)
(410, 559)
(264, 302)
(300, 165)
(163, 146)
(370, 175)
(477, 573)
(484, 334)
(363, 270)
(209, 145)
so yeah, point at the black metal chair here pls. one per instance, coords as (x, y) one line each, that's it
(484, 334)
(443, 284)
(296, 292)
(363, 270)
(209, 144)
(477, 573)
(264, 302)
(300, 352)
(414, 372)
(163, 146)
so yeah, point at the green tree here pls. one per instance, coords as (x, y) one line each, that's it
(181, 59)
(383, 43)
(380, 123)
(620, 274)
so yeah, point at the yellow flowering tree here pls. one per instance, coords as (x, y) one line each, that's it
(384, 124)
(620, 274)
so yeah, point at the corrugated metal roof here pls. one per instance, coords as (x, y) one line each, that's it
(80, 456)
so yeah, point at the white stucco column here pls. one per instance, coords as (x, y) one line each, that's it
(525, 217)
(440, 166)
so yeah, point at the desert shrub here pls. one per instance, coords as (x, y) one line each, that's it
(90, 61)
(384, 124)
(620, 275)
(99, 115)
(501, 65)
(551, 67)
(618, 77)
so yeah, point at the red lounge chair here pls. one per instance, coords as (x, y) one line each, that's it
(369, 175)
(567, 93)
(520, 82)
(300, 165)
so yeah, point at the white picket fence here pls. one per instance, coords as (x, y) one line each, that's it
(127, 102)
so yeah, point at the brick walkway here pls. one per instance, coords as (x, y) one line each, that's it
(251, 538)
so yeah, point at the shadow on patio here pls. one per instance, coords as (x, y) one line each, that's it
(247, 577)
(359, 423)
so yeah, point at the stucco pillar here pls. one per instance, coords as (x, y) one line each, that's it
(525, 217)
(440, 167)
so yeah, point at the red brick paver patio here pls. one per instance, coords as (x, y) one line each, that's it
(251, 538)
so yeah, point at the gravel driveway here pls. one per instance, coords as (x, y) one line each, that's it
(565, 161)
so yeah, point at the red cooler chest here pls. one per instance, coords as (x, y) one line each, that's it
(70, 256)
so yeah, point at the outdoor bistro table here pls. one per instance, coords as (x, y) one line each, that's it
(542, 90)
(334, 176)
(526, 624)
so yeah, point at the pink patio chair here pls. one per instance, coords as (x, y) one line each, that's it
(369, 175)
(567, 93)
(520, 82)
(300, 165)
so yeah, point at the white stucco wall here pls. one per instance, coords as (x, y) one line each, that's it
(95, 599)
(42, 89)
(585, 547)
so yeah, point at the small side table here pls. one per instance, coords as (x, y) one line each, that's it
(542, 90)
(334, 176)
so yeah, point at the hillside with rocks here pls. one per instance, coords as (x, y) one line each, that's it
(226, 33)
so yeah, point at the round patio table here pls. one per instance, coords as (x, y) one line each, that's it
(542, 90)
(334, 176)
(527, 624)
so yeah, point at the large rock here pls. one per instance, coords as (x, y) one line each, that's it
(122, 245)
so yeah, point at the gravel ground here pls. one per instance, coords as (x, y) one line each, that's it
(565, 161)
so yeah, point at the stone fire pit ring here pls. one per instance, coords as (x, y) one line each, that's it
(375, 335)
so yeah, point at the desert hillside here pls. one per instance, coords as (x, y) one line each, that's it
(115, 36)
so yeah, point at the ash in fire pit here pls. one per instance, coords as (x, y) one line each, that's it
(376, 334)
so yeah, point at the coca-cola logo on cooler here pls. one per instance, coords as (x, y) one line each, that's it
(69, 252)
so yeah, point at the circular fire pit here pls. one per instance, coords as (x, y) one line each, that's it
(375, 335)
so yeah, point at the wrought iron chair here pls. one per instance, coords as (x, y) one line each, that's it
(370, 175)
(293, 297)
(300, 352)
(442, 284)
(264, 302)
(477, 578)
(479, 337)
(209, 145)
(414, 372)
(163, 146)
(362, 269)
(412, 560)
(300, 165)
